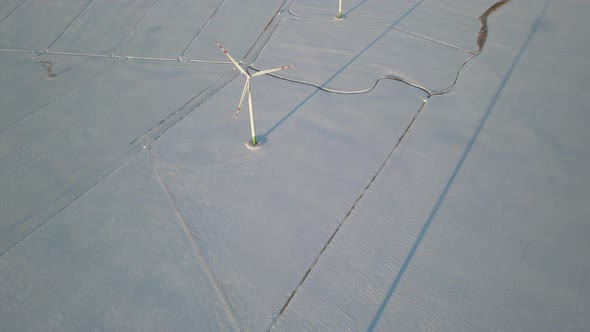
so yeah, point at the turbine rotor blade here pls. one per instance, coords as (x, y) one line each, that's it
(268, 71)
(246, 89)
(232, 59)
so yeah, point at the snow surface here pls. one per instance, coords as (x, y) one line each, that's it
(128, 200)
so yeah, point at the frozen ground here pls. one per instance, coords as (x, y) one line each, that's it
(421, 188)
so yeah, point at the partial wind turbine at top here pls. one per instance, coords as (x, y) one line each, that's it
(247, 89)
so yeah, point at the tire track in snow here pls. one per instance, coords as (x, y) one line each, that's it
(348, 213)
(481, 41)
(2, 130)
(13, 11)
(134, 26)
(458, 167)
(222, 294)
(431, 39)
(111, 56)
(6, 70)
(170, 121)
(349, 92)
(190, 44)
(482, 37)
(71, 23)
(42, 215)
(351, 61)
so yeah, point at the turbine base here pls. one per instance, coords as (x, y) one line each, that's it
(248, 144)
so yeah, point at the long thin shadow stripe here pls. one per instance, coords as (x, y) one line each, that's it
(451, 180)
(282, 120)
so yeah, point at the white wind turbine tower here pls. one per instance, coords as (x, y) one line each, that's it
(247, 89)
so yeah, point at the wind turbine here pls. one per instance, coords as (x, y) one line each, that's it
(247, 89)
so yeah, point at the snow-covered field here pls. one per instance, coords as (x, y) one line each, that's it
(409, 177)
